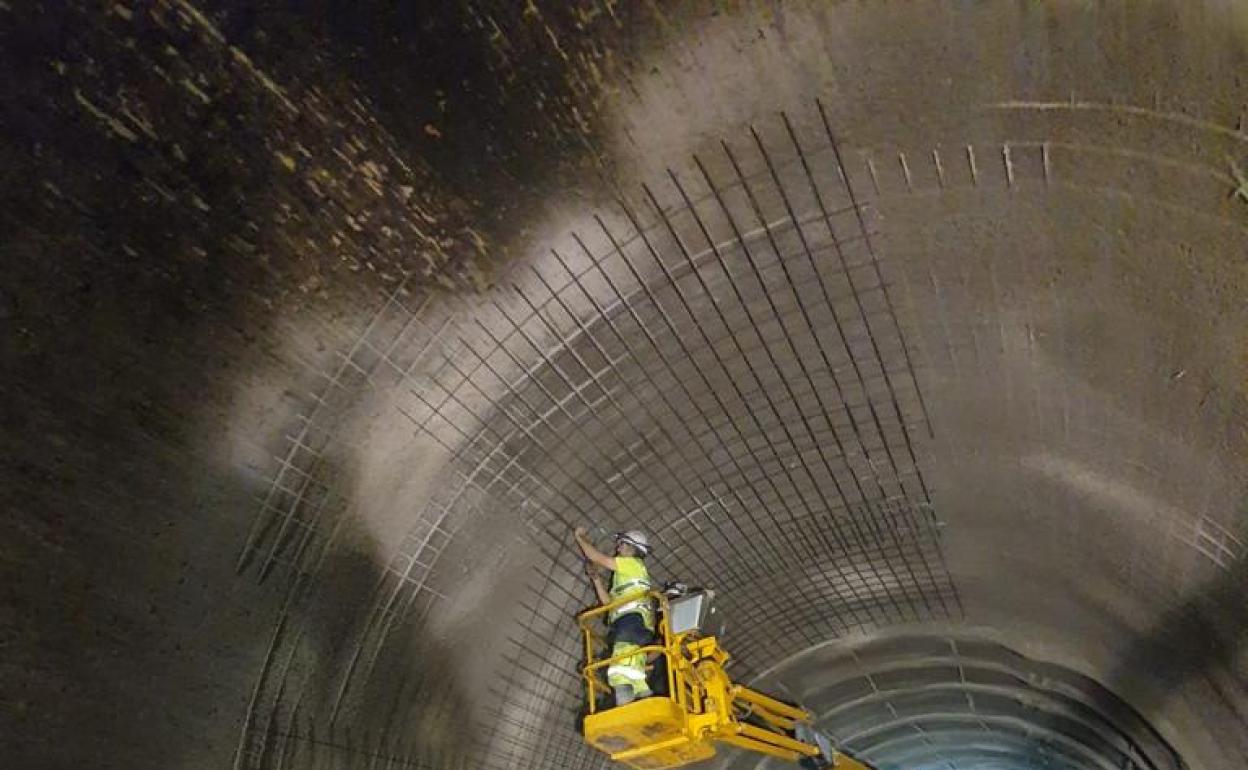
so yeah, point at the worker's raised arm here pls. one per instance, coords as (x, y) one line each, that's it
(593, 554)
(595, 577)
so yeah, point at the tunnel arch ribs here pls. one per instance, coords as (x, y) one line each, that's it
(721, 362)
(912, 699)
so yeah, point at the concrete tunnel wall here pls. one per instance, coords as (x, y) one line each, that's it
(917, 330)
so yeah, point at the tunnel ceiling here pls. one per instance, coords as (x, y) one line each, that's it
(915, 330)
(903, 700)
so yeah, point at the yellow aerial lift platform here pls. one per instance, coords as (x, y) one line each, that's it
(701, 707)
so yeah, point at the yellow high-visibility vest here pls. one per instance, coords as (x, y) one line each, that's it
(631, 578)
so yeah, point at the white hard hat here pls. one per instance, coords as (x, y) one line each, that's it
(636, 539)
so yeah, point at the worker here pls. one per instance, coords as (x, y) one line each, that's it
(632, 623)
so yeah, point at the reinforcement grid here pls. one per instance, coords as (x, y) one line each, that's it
(724, 368)
(719, 363)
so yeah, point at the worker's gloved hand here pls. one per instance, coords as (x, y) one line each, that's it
(580, 532)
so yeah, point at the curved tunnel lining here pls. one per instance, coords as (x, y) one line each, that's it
(909, 699)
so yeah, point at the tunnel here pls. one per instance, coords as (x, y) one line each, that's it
(917, 331)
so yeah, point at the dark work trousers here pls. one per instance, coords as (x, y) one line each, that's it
(631, 628)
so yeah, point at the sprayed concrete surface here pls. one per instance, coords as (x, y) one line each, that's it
(918, 330)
